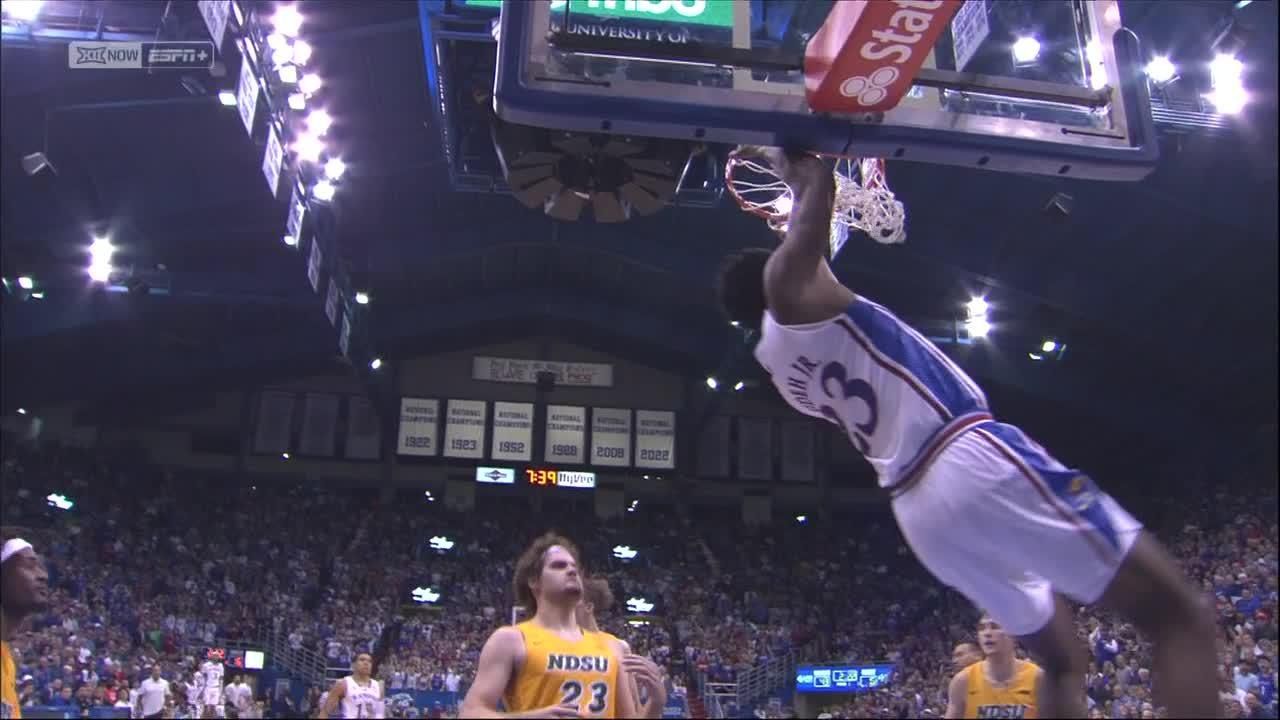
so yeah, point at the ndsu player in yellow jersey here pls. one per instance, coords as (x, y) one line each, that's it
(641, 670)
(548, 666)
(1001, 686)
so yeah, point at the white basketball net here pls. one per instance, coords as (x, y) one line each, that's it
(863, 199)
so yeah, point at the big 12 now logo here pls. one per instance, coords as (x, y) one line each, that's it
(866, 54)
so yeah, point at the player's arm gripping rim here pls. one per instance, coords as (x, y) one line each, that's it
(798, 284)
(336, 693)
(499, 659)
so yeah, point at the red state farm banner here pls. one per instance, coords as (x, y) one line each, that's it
(866, 54)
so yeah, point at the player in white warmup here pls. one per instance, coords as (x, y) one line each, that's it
(985, 508)
(209, 679)
(358, 694)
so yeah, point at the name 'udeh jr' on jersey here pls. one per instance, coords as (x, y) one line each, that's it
(894, 393)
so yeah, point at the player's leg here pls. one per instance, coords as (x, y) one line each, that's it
(1152, 593)
(957, 533)
(1092, 550)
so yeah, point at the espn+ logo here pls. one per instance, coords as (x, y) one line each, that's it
(684, 8)
(897, 44)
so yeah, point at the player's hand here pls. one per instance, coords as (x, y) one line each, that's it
(563, 710)
(799, 170)
(648, 675)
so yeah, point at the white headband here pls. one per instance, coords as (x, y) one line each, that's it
(13, 547)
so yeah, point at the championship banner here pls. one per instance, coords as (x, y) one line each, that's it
(513, 370)
(566, 434)
(755, 449)
(275, 423)
(247, 95)
(713, 448)
(656, 439)
(314, 261)
(797, 451)
(364, 435)
(215, 14)
(464, 429)
(611, 437)
(419, 421)
(319, 425)
(512, 431)
(272, 161)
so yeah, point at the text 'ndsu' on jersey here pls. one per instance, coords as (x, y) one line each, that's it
(555, 670)
(1015, 699)
(894, 393)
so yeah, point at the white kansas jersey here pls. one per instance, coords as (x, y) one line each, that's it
(362, 701)
(210, 682)
(895, 395)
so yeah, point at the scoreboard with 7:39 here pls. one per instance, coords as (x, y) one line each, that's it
(559, 478)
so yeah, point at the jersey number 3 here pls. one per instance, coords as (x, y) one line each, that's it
(572, 690)
(837, 386)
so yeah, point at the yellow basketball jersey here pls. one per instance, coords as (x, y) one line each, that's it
(1017, 699)
(555, 670)
(9, 707)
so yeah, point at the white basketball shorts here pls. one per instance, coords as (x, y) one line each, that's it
(1002, 522)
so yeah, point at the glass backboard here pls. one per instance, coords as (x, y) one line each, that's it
(1039, 86)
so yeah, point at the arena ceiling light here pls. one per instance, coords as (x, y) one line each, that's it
(334, 170)
(22, 411)
(624, 552)
(319, 122)
(310, 83)
(977, 325)
(739, 385)
(291, 241)
(24, 10)
(297, 101)
(227, 98)
(1025, 51)
(376, 364)
(713, 383)
(323, 191)
(301, 52)
(802, 519)
(309, 147)
(100, 254)
(1227, 75)
(288, 74)
(1161, 70)
(362, 298)
(287, 20)
(26, 283)
(440, 543)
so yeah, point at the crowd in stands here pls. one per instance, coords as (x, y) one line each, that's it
(150, 565)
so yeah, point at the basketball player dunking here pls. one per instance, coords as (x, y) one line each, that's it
(24, 589)
(640, 670)
(358, 693)
(1032, 530)
(1001, 686)
(547, 666)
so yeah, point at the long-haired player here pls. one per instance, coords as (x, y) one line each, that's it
(548, 666)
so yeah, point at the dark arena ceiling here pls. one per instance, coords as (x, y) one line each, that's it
(1164, 290)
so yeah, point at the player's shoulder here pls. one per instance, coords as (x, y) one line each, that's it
(960, 681)
(508, 638)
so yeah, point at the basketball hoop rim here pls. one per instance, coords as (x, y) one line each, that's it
(877, 176)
